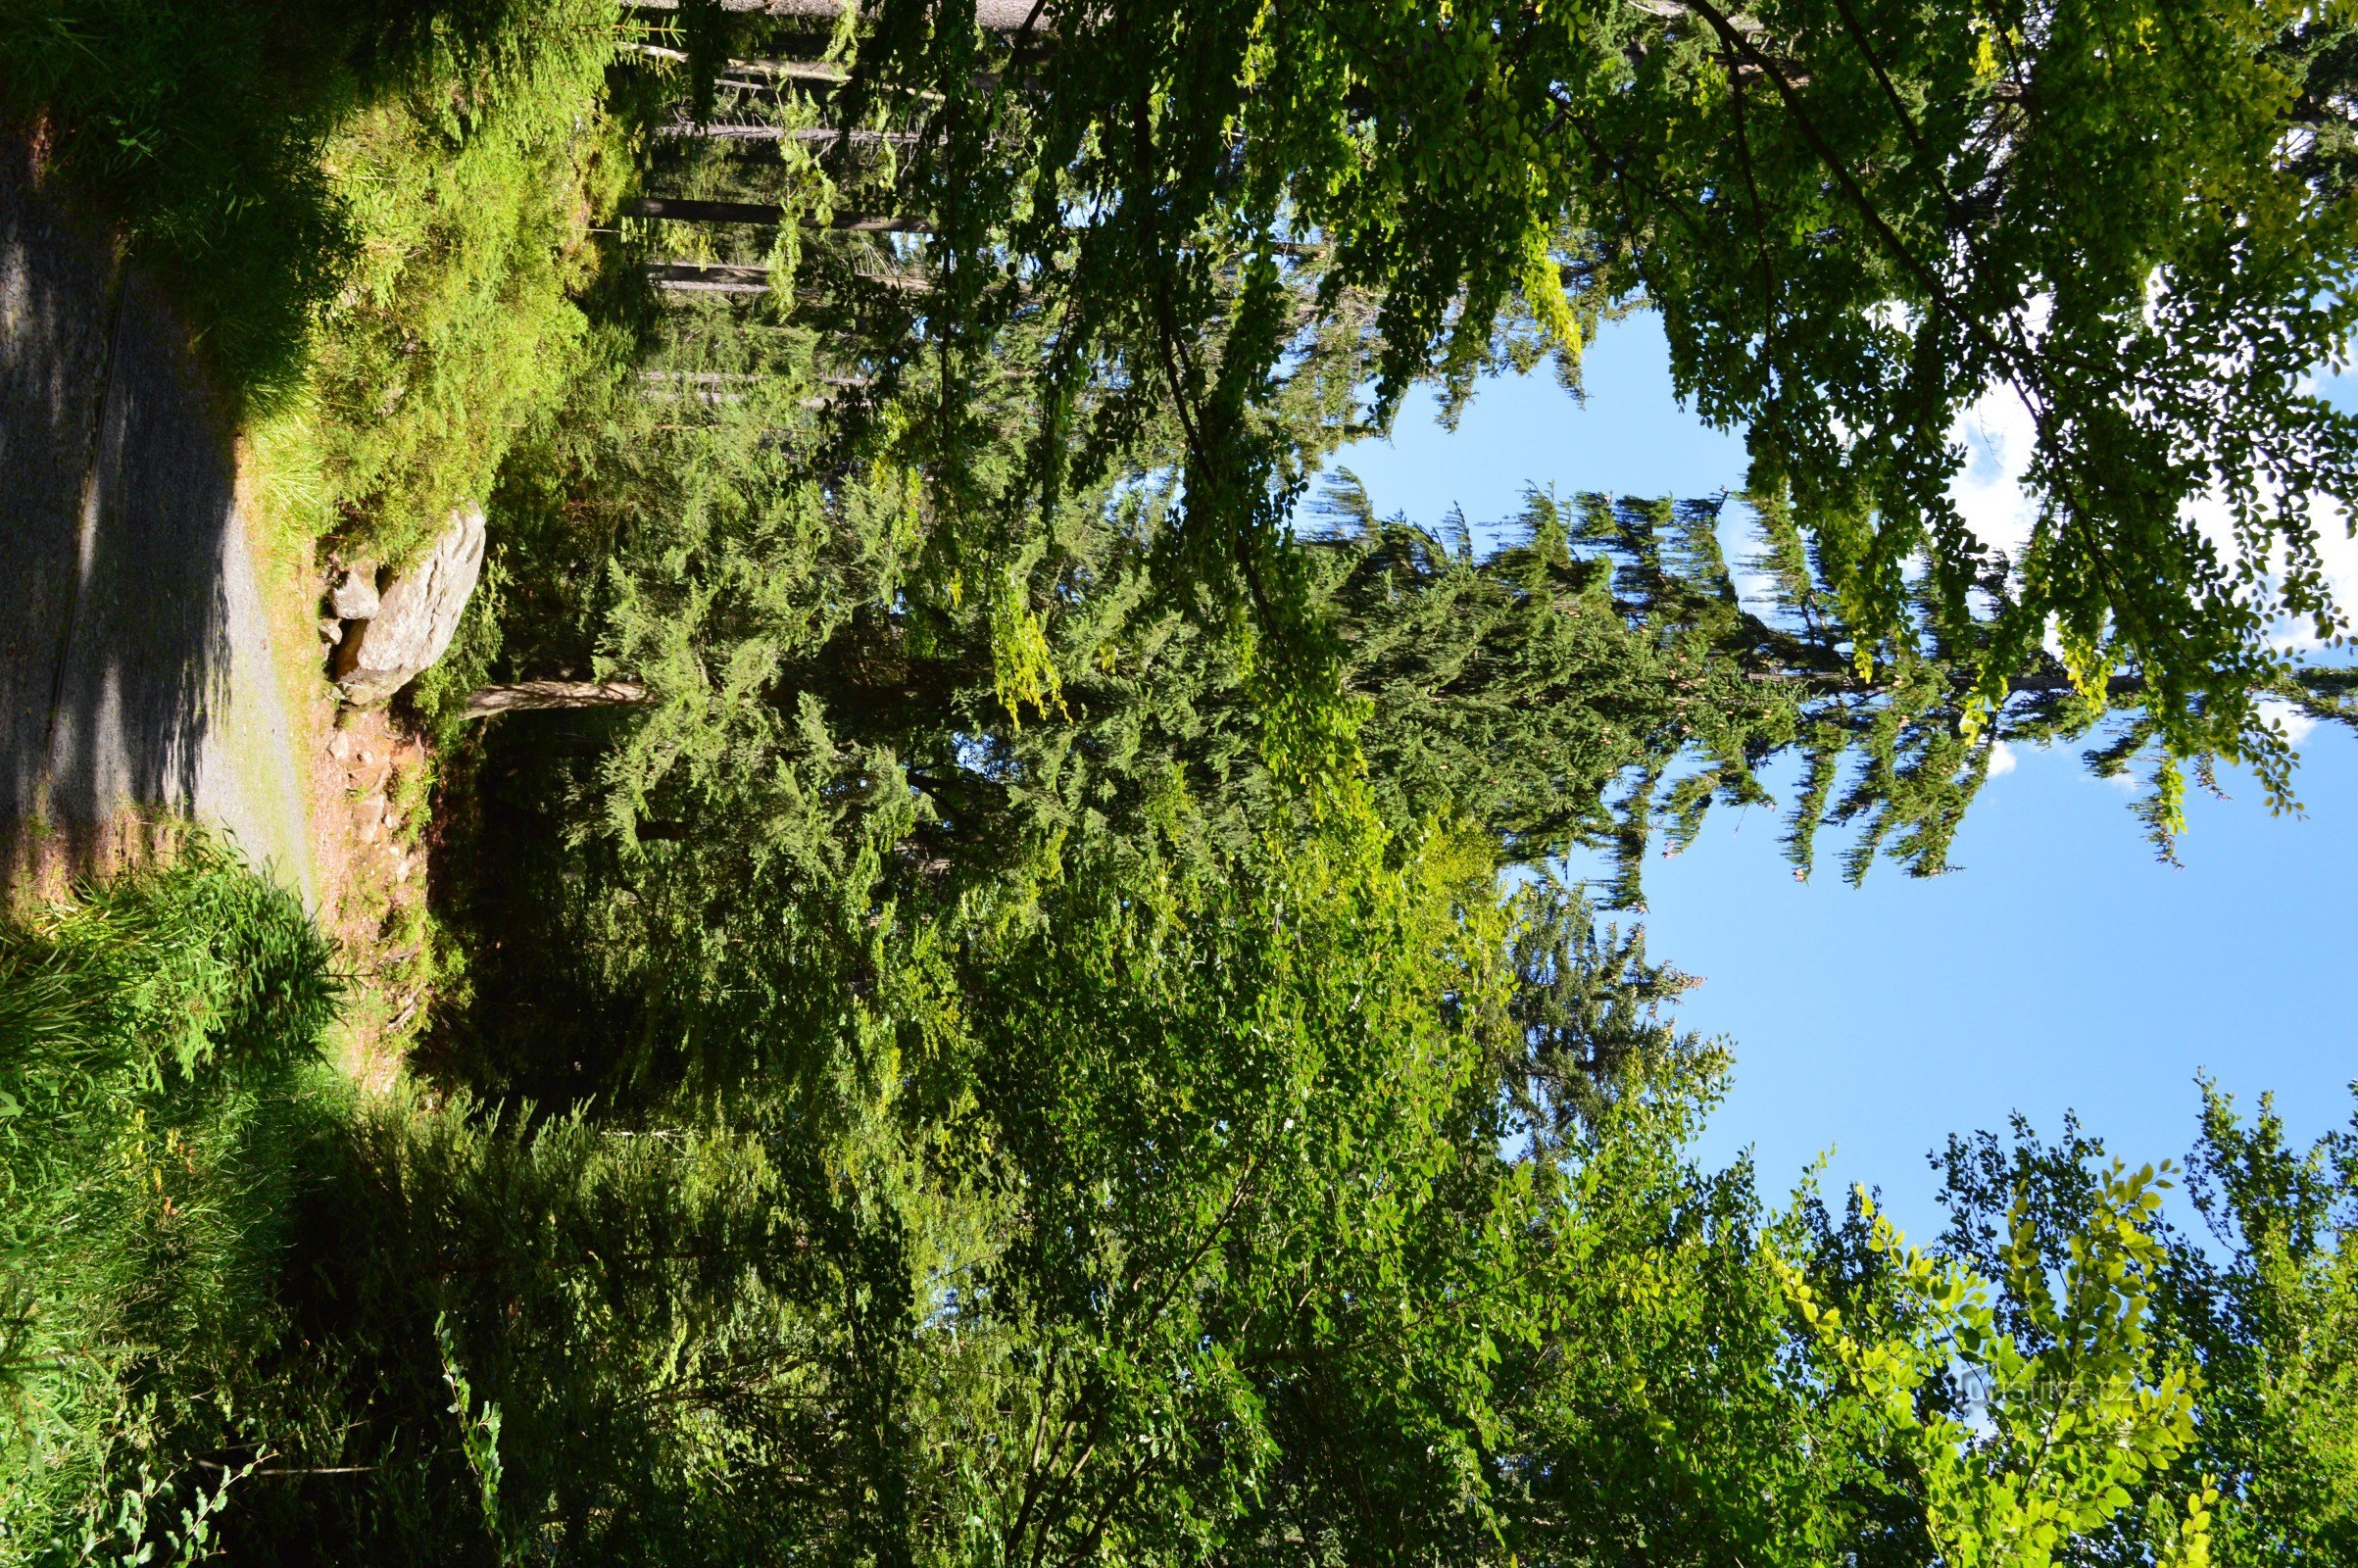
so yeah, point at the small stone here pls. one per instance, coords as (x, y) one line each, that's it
(355, 597)
(331, 630)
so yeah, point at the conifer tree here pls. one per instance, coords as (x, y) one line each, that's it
(1857, 218)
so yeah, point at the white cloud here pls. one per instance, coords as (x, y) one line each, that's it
(2296, 724)
(2000, 436)
(2002, 759)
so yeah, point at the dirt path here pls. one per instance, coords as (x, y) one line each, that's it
(138, 676)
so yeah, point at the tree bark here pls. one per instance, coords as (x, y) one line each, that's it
(693, 211)
(817, 135)
(992, 16)
(526, 696)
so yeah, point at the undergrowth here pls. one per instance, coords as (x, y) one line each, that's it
(161, 1085)
(249, 1314)
(372, 212)
(230, 1323)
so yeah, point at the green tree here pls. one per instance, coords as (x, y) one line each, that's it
(2257, 1310)
(834, 708)
(1857, 218)
(1189, 1208)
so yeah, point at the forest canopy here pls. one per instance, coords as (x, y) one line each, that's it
(1009, 980)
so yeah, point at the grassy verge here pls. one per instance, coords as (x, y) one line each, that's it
(160, 1083)
(371, 213)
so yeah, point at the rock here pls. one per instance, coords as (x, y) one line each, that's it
(418, 616)
(331, 630)
(355, 598)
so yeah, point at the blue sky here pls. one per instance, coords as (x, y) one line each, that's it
(2062, 968)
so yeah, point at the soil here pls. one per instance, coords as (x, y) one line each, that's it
(371, 784)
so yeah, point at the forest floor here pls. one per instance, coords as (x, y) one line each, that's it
(160, 662)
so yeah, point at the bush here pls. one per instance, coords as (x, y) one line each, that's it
(160, 1077)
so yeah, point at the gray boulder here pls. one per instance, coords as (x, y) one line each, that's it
(417, 615)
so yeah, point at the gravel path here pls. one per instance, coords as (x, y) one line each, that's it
(136, 669)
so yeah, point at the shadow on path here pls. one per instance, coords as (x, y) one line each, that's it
(135, 667)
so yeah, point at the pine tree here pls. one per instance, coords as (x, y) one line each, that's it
(1857, 220)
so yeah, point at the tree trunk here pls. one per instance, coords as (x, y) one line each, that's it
(533, 694)
(707, 277)
(723, 277)
(687, 210)
(809, 71)
(819, 136)
(992, 16)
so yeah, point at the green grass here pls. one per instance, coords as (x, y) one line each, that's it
(159, 1086)
(371, 211)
